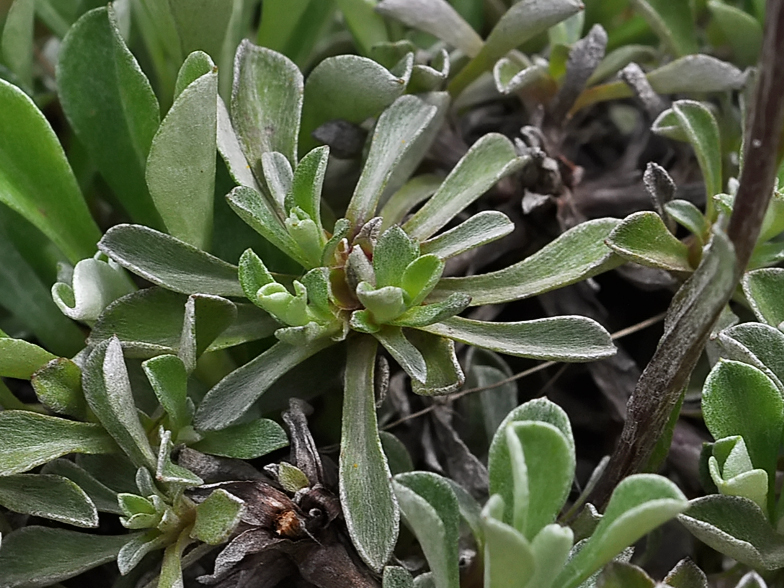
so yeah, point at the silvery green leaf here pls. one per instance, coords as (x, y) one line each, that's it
(95, 285)
(731, 470)
(291, 478)
(231, 398)
(169, 262)
(21, 359)
(430, 509)
(436, 312)
(228, 144)
(736, 527)
(762, 288)
(306, 183)
(206, 317)
(482, 228)
(48, 496)
(104, 498)
(39, 556)
(201, 25)
(577, 254)
(180, 169)
(470, 511)
(30, 439)
(108, 393)
(397, 577)
(563, 338)
(523, 21)
(436, 17)
(244, 441)
(488, 160)
(397, 455)
(444, 374)
(413, 192)
(420, 277)
(139, 545)
(511, 76)
(757, 344)
(58, 385)
(349, 87)
(261, 215)
(428, 78)
(584, 57)
(169, 380)
(150, 322)
(266, 116)
(196, 65)
(686, 574)
(169, 472)
(403, 351)
(639, 504)
(509, 559)
(217, 517)
(550, 547)
(369, 506)
(689, 216)
(696, 73)
(171, 566)
(397, 129)
(393, 252)
(731, 392)
(643, 238)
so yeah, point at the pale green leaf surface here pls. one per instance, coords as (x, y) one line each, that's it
(111, 106)
(696, 73)
(217, 517)
(643, 238)
(763, 290)
(393, 252)
(736, 527)
(366, 26)
(39, 556)
(742, 30)
(686, 574)
(369, 505)
(265, 103)
(430, 509)
(29, 440)
(181, 165)
(499, 460)
(444, 374)
(413, 192)
(36, 180)
(231, 398)
(396, 130)
(107, 389)
(206, 317)
(397, 455)
(575, 255)
(563, 338)
(351, 88)
(523, 21)
(58, 385)
(509, 560)
(244, 441)
(624, 575)
(738, 399)
(169, 262)
(488, 160)
(169, 380)
(196, 65)
(21, 359)
(550, 548)
(639, 504)
(689, 216)
(397, 577)
(403, 351)
(482, 228)
(279, 176)
(427, 314)
(48, 496)
(228, 144)
(436, 17)
(759, 345)
(201, 24)
(95, 285)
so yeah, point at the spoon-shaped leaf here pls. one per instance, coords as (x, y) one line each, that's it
(48, 496)
(643, 238)
(369, 506)
(763, 289)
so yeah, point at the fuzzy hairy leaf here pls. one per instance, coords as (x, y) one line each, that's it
(20, 359)
(642, 237)
(482, 228)
(763, 290)
(48, 496)
(244, 441)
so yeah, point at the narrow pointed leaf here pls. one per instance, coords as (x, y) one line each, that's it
(689, 216)
(369, 506)
(397, 128)
(523, 21)
(306, 183)
(259, 213)
(48, 496)
(350, 88)
(107, 389)
(436, 17)
(39, 556)
(574, 256)
(206, 317)
(169, 262)
(244, 441)
(643, 238)
(563, 338)
(231, 398)
(228, 144)
(489, 159)
(169, 380)
(430, 509)
(482, 228)
(639, 504)
(111, 106)
(171, 566)
(29, 440)
(265, 103)
(403, 351)
(36, 180)
(181, 164)
(393, 252)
